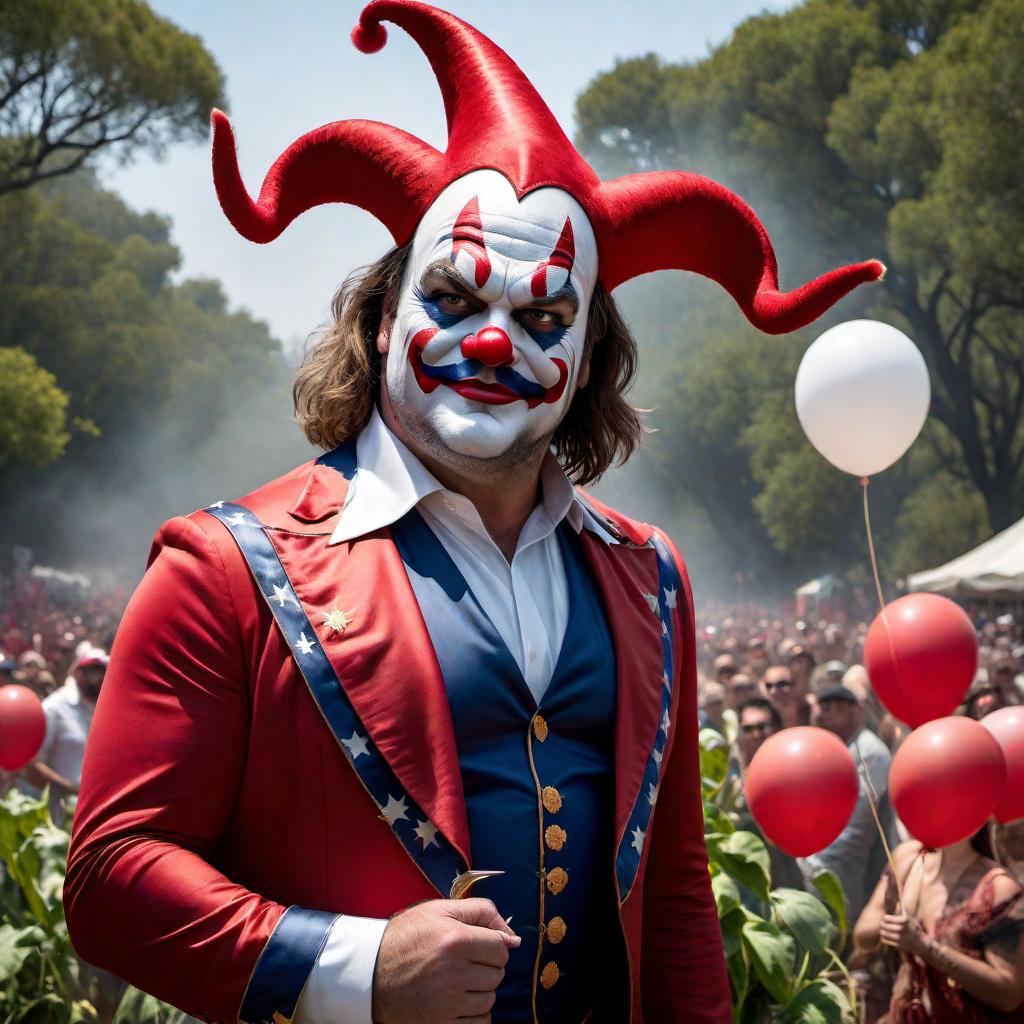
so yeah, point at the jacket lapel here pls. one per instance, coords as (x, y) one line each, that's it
(628, 579)
(359, 601)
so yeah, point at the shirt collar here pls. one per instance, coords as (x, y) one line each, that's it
(390, 480)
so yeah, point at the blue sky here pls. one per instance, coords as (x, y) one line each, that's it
(291, 67)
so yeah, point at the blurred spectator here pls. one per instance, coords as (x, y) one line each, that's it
(983, 697)
(800, 663)
(857, 682)
(1008, 846)
(68, 719)
(1004, 676)
(739, 689)
(757, 719)
(33, 673)
(857, 856)
(790, 701)
(713, 712)
(724, 668)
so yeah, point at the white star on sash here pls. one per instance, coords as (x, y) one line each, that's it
(304, 645)
(670, 596)
(652, 603)
(280, 595)
(217, 504)
(666, 722)
(652, 794)
(658, 755)
(238, 519)
(394, 809)
(427, 834)
(638, 840)
(356, 745)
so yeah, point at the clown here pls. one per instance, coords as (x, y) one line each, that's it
(409, 734)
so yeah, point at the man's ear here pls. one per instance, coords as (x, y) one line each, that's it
(384, 334)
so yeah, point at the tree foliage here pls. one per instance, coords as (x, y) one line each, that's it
(884, 129)
(32, 410)
(80, 76)
(167, 375)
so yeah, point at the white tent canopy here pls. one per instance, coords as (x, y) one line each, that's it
(993, 570)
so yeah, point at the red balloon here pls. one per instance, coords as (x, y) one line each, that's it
(802, 787)
(1007, 725)
(946, 780)
(921, 654)
(22, 726)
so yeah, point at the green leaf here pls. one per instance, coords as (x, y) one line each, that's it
(16, 946)
(744, 856)
(820, 1002)
(805, 917)
(831, 890)
(716, 820)
(771, 954)
(727, 894)
(137, 1007)
(714, 758)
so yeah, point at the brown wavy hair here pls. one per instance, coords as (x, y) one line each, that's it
(338, 383)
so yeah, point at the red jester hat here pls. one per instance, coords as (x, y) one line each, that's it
(658, 220)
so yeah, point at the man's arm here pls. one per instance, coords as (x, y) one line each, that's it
(162, 767)
(684, 979)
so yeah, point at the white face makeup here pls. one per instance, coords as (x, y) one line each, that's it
(487, 344)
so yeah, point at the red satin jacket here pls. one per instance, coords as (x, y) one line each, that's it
(214, 796)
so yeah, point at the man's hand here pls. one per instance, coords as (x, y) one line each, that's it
(441, 961)
(903, 932)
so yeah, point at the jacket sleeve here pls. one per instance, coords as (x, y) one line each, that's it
(162, 767)
(682, 959)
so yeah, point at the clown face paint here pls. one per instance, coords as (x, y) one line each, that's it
(487, 344)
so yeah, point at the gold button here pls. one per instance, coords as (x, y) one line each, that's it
(555, 837)
(550, 974)
(540, 728)
(552, 799)
(555, 930)
(557, 880)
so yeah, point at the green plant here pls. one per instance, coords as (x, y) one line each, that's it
(781, 945)
(42, 980)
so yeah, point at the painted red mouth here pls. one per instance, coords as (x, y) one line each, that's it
(475, 390)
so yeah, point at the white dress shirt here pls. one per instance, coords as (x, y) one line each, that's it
(526, 599)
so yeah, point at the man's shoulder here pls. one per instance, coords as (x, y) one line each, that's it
(310, 493)
(621, 526)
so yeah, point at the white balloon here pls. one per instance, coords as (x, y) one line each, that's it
(862, 395)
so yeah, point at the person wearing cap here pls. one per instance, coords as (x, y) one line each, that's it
(68, 721)
(857, 856)
(426, 654)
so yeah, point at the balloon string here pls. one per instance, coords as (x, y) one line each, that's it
(871, 545)
(873, 804)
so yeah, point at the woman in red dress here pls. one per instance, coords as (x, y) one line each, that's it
(958, 932)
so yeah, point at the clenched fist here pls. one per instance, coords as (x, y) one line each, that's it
(441, 961)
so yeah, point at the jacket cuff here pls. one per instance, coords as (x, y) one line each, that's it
(284, 965)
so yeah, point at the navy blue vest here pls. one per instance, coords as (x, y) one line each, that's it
(538, 782)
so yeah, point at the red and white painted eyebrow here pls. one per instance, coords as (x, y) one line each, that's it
(471, 259)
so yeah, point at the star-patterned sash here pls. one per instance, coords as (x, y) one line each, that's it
(631, 845)
(432, 853)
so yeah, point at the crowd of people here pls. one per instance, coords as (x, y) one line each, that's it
(939, 940)
(761, 671)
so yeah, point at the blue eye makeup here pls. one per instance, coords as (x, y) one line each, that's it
(431, 305)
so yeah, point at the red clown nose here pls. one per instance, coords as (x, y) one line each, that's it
(491, 345)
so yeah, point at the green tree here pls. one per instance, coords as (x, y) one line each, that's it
(32, 411)
(176, 383)
(80, 76)
(888, 129)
